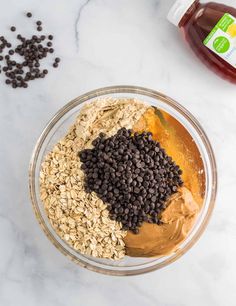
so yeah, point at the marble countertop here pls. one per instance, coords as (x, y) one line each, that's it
(103, 43)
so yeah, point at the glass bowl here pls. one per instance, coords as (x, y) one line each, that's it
(58, 127)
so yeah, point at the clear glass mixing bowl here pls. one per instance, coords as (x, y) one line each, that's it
(57, 128)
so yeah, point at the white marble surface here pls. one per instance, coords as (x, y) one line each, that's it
(101, 43)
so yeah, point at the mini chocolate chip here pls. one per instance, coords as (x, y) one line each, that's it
(136, 187)
(13, 29)
(29, 15)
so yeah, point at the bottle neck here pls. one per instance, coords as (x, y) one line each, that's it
(189, 13)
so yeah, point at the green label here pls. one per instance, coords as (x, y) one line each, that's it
(225, 22)
(222, 24)
(221, 44)
(222, 39)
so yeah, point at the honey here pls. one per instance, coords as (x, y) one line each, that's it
(179, 144)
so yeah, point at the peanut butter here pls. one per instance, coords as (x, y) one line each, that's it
(158, 240)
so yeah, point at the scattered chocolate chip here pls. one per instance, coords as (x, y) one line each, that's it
(32, 51)
(55, 65)
(57, 59)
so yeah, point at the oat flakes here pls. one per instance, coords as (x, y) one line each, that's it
(79, 218)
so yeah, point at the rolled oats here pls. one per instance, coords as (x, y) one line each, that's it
(81, 219)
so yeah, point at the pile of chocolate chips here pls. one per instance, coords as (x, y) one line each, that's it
(132, 174)
(31, 52)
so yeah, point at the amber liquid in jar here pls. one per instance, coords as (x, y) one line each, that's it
(196, 24)
(178, 144)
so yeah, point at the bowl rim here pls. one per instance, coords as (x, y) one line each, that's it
(126, 89)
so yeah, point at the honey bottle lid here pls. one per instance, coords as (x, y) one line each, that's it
(178, 10)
